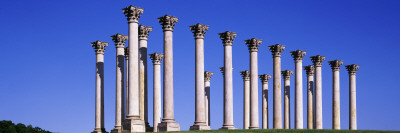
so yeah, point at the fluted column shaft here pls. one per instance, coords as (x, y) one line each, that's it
(253, 45)
(286, 75)
(143, 85)
(277, 95)
(207, 79)
(336, 100)
(228, 90)
(298, 103)
(133, 71)
(318, 97)
(127, 83)
(264, 80)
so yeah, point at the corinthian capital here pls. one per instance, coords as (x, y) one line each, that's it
(156, 57)
(309, 70)
(245, 75)
(119, 40)
(132, 13)
(168, 22)
(317, 60)
(286, 74)
(222, 69)
(199, 30)
(253, 44)
(352, 68)
(264, 78)
(298, 55)
(207, 76)
(144, 32)
(99, 46)
(227, 37)
(276, 50)
(126, 50)
(335, 64)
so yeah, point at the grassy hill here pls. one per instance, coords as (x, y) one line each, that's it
(290, 131)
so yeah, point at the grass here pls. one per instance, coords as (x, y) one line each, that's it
(290, 131)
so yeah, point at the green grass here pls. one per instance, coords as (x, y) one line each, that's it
(290, 131)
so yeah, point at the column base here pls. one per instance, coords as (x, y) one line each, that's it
(148, 127)
(132, 125)
(117, 130)
(254, 127)
(168, 126)
(99, 130)
(227, 127)
(200, 126)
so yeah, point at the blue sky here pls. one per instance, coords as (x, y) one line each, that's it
(48, 66)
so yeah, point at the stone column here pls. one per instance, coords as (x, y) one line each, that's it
(298, 102)
(99, 48)
(207, 79)
(227, 38)
(352, 89)
(246, 98)
(264, 80)
(143, 35)
(336, 93)
(253, 45)
(126, 82)
(286, 75)
(157, 58)
(310, 96)
(277, 95)
(134, 123)
(317, 60)
(168, 122)
(119, 45)
(199, 31)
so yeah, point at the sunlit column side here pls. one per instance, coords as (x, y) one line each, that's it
(134, 123)
(310, 96)
(119, 40)
(277, 88)
(352, 69)
(207, 98)
(317, 60)
(298, 102)
(264, 80)
(227, 39)
(157, 58)
(335, 65)
(246, 98)
(143, 84)
(199, 31)
(286, 76)
(99, 48)
(168, 122)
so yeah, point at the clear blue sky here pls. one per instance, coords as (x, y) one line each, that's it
(48, 66)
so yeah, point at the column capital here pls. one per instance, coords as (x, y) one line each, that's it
(264, 78)
(253, 44)
(298, 55)
(99, 46)
(132, 13)
(352, 68)
(276, 50)
(335, 64)
(245, 75)
(144, 32)
(227, 37)
(286, 74)
(199, 30)
(309, 70)
(126, 50)
(168, 22)
(207, 76)
(119, 40)
(157, 58)
(317, 60)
